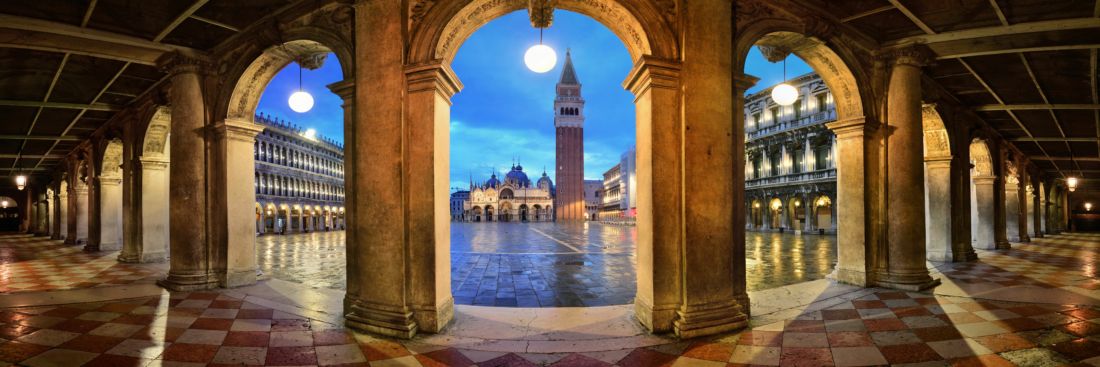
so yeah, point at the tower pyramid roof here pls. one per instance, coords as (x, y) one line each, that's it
(568, 75)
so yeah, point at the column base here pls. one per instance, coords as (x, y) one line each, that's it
(89, 247)
(397, 324)
(1025, 238)
(239, 278)
(710, 319)
(906, 282)
(743, 300)
(1002, 245)
(110, 246)
(188, 282)
(129, 258)
(853, 277)
(433, 320)
(657, 319)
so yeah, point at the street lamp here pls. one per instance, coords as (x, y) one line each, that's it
(784, 94)
(21, 182)
(1071, 183)
(301, 101)
(540, 58)
(1088, 207)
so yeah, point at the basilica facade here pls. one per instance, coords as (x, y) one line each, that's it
(790, 177)
(515, 199)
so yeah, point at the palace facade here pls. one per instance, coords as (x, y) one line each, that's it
(513, 200)
(790, 174)
(299, 180)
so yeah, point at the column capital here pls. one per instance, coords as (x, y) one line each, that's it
(180, 63)
(916, 55)
(344, 88)
(237, 129)
(743, 81)
(984, 180)
(852, 127)
(108, 180)
(938, 160)
(435, 76)
(153, 162)
(652, 72)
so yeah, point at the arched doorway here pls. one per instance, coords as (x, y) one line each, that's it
(523, 212)
(982, 198)
(489, 215)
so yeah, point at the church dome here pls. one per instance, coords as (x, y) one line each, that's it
(493, 181)
(544, 182)
(517, 178)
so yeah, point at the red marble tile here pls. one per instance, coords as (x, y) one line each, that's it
(1020, 324)
(380, 350)
(1083, 313)
(170, 333)
(332, 337)
(642, 357)
(884, 324)
(960, 318)
(911, 311)
(507, 360)
(939, 333)
(444, 358)
(76, 326)
(203, 295)
(15, 331)
(1081, 328)
(226, 304)
(864, 304)
(909, 353)
(927, 301)
(891, 295)
(111, 360)
(119, 307)
(258, 313)
(17, 351)
(1029, 310)
(196, 353)
(291, 356)
(808, 357)
(761, 338)
(840, 314)
(206, 323)
(289, 325)
(1005, 342)
(65, 312)
(577, 360)
(850, 339)
(805, 326)
(135, 319)
(709, 351)
(246, 339)
(1078, 349)
(92, 343)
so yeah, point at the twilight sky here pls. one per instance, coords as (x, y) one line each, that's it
(505, 110)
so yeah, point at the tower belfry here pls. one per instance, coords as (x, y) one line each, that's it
(569, 138)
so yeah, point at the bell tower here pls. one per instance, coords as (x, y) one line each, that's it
(569, 138)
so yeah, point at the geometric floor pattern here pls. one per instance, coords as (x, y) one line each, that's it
(31, 264)
(884, 327)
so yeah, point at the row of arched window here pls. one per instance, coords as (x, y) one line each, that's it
(269, 184)
(569, 111)
(286, 156)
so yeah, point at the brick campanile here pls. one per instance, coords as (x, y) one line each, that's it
(569, 126)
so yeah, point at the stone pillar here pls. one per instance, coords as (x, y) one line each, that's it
(808, 206)
(42, 216)
(1036, 212)
(95, 202)
(855, 197)
(55, 214)
(63, 214)
(155, 217)
(984, 226)
(110, 213)
(904, 266)
(1024, 203)
(1000, 200)
(1012, 208)
(938, 216)
(190, 267)
(234, 201)
(80, 213)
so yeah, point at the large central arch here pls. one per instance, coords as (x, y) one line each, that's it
(684, 112)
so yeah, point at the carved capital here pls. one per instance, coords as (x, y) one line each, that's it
(434, 76)
(344, 88)
(180, 63)
(914, 55)
(774, 53)
(237, 130)
(856, 127)
(743, 81)
(541, 12)
(652, 72)
(154, 163)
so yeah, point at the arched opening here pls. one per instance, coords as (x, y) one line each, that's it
(775, 213)
(824, 213)
(110, 197)
(982, 200)
(1015, 225)
(9, 214)
(151, 241)
(942, 242)
(63, 208)
(489, 215)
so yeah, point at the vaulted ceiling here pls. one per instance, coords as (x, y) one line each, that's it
(68, 66)
(1026, 67)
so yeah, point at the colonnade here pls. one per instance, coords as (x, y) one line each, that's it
(284, 218)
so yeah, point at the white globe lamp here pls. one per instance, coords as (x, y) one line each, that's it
(540, 58)
(784, 94)
(301, 101)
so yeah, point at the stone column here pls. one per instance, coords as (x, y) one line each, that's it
(55, 214)
(234, 201)
(904, 266)
(1036, 212)
(43, 216)
(808, 206)
(1000, 198)
(1023, 202)
(190, 267)
(985, 227)
(938, 214)
(63, 214)
(1012, 208)
(80, 213)
(155, 217)
(110, 213)
(95, 202)
(856, 193)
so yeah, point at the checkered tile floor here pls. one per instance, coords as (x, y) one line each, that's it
(39, 264)
(1070, 260)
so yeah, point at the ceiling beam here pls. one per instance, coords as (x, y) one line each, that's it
(41, 137)
(1018, 28)
(88, 13)
(1055, 139)
(1009, 50)
(1036, 106)
(71, 106)
(1043, 95)
(215, 23)
(1083, 159)
(179, 19)
(997, 9)
(866, 13)
(33, 156)
(912, 17)
(37, 34)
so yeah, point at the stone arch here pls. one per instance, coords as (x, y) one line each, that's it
(937, 142)
(940, 244)
(111, 165)
(110, 197)
(440, 28)
(981, 158)
(245, 96)
(982, 196)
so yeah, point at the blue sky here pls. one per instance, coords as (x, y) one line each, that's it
(506, 111)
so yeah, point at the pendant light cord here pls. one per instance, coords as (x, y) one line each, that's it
(784, 70)
(540, 35)
(300, 73)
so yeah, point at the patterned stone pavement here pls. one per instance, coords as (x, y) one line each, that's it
(30, 264)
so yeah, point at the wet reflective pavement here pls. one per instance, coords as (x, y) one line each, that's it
(545, 264)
